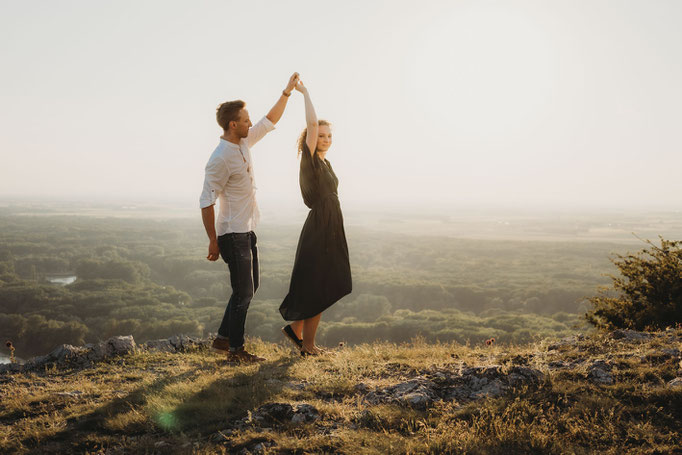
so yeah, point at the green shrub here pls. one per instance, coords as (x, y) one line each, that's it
(648, 295)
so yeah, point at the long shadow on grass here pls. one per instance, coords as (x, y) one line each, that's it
(207, 411)
(94, 423)
(226, 399)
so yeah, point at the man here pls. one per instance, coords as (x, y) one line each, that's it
(230, 179)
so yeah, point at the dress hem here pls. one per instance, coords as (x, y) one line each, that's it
(318, 312)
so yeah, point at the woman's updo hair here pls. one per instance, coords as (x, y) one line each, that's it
(304, 135)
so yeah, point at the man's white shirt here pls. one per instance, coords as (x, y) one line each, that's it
(230, 179)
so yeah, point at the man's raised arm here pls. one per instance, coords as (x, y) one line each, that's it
(278, 109)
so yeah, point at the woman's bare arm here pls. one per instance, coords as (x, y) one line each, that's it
(310, 118)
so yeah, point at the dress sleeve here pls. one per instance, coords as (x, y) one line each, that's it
(309, 177)
(309, 161)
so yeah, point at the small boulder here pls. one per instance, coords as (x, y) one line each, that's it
(675, 383)
(119, 345)
(417, 393)
(60, 355)
(163, 345)
(305, 413)
(520, 375)
(629, 335)
(491, 389)
(273, 413)
(418, 400)
(183, 343)
(568, 341)
(599, 372)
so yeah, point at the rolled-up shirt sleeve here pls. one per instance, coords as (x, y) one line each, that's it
(259, 130)
(215, 178)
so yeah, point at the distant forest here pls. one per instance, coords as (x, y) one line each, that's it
(150, 278)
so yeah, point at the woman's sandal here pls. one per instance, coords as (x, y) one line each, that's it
(291, 336)
(305, 353)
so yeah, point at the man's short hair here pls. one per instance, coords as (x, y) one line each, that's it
(229, 112)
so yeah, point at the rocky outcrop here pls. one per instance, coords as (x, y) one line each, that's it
(630, 335)
(417, 393)
(569, 341)
(83, 356)
(266, 417)
(281, 413)
(467, 384)
(178, 343)
(77, 356)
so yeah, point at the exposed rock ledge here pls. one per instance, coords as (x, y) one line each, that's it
(467, 384)
(67, 355)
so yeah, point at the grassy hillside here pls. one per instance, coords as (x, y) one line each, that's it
(611, 393)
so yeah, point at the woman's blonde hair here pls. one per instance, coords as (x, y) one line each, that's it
(304, 135)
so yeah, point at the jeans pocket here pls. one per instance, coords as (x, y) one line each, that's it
(226, 247)
(242, 245)
(242, 241)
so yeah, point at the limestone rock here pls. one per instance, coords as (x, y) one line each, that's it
(119, 345)
(599, 372)
(81, 356)
(281, 413)
(305, 413)
(520, 375)
(60, 355)
(163, 345)
(568, 341)
(178, 343)
(184, 343)
(417, 393)
(273, 413)
(675, 383)
(629, 335)
(469, 383)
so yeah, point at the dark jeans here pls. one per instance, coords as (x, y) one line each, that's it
(241, 254)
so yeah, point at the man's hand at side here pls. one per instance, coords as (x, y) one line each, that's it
(213, 250)
(208, 217)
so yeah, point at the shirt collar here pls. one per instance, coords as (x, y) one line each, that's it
(230, 143)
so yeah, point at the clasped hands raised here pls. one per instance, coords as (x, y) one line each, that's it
(295, 82)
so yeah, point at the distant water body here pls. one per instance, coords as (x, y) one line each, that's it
(62, 280)
(4, 358)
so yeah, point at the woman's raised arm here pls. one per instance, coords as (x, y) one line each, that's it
(310, 118)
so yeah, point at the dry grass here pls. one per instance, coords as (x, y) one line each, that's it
(180, 403)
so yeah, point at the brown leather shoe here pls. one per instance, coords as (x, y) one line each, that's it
(241, 356)
(221, 345)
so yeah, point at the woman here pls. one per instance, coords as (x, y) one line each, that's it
(321, 273)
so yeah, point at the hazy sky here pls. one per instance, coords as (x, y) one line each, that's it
(506, 103)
